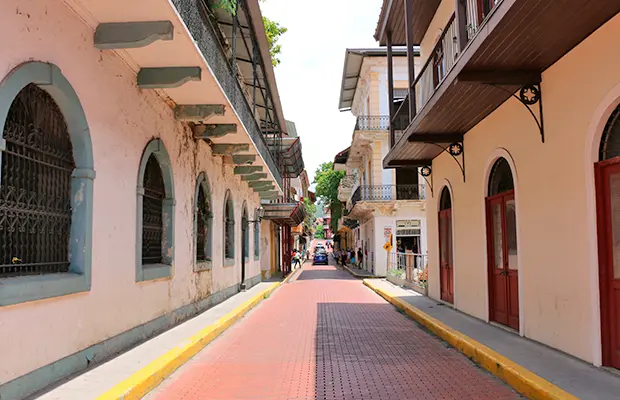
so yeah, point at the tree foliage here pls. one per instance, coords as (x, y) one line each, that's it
(327, 181)
(320, 232)
(310, 213)
(273, 29)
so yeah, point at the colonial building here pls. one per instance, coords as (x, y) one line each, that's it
(382, 205)
(141, 143)
(513, 119)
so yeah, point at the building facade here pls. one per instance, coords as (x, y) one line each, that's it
(521, 213)
(382, 205)
(122, 211)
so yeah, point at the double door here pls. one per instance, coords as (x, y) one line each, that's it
(503, 260)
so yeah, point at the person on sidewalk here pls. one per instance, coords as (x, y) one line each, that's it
(360, 257)
(296, 259)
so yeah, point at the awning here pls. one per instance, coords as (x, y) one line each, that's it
(291, 214)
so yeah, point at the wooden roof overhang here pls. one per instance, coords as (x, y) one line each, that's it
(517, 42)
(392, 18)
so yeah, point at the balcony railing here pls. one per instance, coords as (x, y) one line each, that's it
(373, 123)
(387, 193)
(439, 63)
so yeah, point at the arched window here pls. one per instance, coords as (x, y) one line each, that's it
(203, 220)
(46, 186)
(155, 247)
(35, 200)
(245, 230)
(445, 202)
(229, 228)
(501, 178)
(152, 213)
(256, 237)
(610, 142)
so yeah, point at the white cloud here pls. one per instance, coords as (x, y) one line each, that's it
(310, 72)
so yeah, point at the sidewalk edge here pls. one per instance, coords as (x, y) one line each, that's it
(521, 379)
(355, 274)
(149, 377)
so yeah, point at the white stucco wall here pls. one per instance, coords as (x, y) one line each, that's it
(554, 190)
(122, 119)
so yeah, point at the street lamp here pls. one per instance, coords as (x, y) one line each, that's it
(260, 213)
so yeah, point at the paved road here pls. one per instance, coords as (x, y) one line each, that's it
(325, 336)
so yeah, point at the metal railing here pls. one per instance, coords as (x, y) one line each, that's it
(477, 11)
(387, 193)
(410, 267)
(373, 123)
(439, 63)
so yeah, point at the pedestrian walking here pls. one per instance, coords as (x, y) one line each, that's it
(360, 257)
(296, 259)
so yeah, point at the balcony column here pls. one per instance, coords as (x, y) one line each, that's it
(461, 24)
(410, 62)
(390, 77)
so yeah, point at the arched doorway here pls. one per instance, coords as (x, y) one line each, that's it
(502, 246)
(607, 175)
(446, 258)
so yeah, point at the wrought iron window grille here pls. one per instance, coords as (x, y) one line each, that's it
(35, 190)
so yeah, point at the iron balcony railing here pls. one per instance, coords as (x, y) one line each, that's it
(373, 123)
(387, 193)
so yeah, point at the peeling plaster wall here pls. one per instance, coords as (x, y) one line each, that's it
(122, 119)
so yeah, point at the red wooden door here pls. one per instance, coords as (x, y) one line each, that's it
(502, 256)
(446, 259)
(608, 207)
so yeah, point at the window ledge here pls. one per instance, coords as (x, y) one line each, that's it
(151, 272)
(229, 262)
(203, 266)
(22, 289)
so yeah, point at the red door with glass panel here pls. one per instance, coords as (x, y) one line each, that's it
(446, 259)
(607, 179)
(608, 188)
(502, 247)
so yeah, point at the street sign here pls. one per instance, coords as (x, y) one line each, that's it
(387, 247)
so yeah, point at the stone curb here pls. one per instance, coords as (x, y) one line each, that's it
(355, 274)
(521, 379)
(146, 379)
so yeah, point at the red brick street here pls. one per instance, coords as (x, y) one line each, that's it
(326, 336)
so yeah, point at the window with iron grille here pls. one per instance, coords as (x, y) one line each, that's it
(203, 224)
(256, 237)
(35, 192)
(152, 213)
(245, 228)
(229, 229)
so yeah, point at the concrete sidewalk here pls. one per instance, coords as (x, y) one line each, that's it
(570, 374)
(93, 383)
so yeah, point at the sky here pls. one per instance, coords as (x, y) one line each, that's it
(310, 72)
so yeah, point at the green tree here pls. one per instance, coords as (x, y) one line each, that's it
(273, 29)
(327, 181)
(320, 232)
(310, 213)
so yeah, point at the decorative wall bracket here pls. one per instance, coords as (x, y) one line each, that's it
(530, 95)
(455, 150)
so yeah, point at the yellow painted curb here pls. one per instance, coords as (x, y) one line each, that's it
(146, 379)
(521, 379)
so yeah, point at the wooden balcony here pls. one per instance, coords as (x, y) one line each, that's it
(489, 51)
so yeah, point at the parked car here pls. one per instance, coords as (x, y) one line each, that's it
(320, 257)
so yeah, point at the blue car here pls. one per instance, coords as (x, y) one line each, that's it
(320, 258)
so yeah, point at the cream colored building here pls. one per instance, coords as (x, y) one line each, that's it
(379, 202)
(522, 213)
(135, 160)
